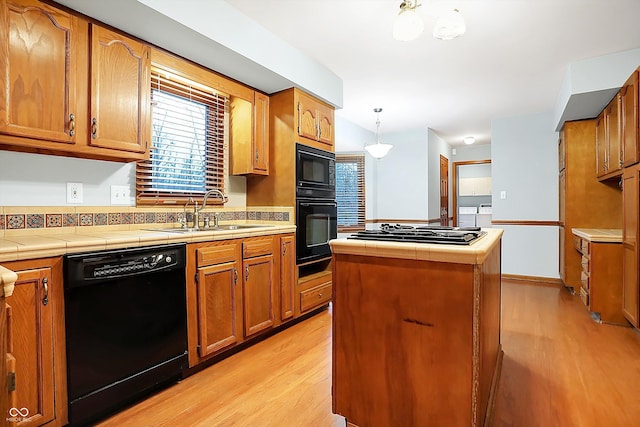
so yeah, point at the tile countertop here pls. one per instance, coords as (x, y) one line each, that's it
(474, 253)
(21, 247)
(603, 235)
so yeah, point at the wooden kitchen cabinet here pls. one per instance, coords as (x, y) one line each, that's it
(287, 276)
(38, 73)
(608, 141)
(37, 335)
(258, 284)
(630, 282)
(249, 135)
(584, 201)
(120, 97)
(70, 86)
(315, 119)
(629, 121)
(601, 278)
(219, 297)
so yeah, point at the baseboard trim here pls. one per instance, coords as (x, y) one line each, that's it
(533, 280)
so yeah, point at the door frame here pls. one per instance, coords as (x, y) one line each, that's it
(454, 178)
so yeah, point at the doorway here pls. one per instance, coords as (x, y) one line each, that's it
(444, 190)
(471, 187)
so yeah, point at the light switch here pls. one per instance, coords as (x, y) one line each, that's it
(120, 194)
(503, 195)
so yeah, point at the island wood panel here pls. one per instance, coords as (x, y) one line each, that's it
(406, 346)
(5, 394)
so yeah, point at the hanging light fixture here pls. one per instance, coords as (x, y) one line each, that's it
(449, 25)
(408, 24)
(378, 150)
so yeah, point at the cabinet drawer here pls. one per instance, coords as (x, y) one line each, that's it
(585, 247)
(253, 248)
(584, 297)
(584, 279)
(315, 297)
(585, 264)
(216, 254)
(577, 243)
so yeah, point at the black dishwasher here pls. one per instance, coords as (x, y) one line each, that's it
(126, 327)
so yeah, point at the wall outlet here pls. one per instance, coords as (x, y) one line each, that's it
(120, 195)
(74, 192)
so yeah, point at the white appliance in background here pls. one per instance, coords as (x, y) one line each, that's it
(483, 218)
(467, 216)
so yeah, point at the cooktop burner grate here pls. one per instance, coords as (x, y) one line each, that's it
(426, 234)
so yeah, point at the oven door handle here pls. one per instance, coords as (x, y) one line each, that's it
(333, 204)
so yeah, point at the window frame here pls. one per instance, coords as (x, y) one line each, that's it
(359, 160)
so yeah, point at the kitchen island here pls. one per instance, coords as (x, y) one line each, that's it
(416, 332)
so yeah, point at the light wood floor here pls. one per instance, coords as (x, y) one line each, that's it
(560, 369)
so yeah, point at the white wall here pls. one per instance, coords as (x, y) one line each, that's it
(402, 177)
(41, 180)
(437, 147)
(465, 153)
(525, 165)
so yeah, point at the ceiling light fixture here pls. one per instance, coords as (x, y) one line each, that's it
(469, 140)
(449, 25)
(378, 150)
(408, 24)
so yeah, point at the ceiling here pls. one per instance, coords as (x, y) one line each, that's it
(510, 62)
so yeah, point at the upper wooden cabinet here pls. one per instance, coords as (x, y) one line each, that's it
(315, 119)
(249, 135)
(71, 87)
(38, 76)
(629, 120)
(120, 92)
(608, 144)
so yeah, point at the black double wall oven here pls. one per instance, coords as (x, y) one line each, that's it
(316, 207)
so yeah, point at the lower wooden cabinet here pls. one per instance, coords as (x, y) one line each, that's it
(36, 331)
(218, 298)
(630, 282)
(287, 276)
(258, 285)
(601, 279)
(314, 290)
(237, 289)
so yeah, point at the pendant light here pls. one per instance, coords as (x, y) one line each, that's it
(449, 25)
(408, 24)
(378, 150)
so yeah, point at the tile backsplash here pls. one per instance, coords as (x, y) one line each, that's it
(31, 217)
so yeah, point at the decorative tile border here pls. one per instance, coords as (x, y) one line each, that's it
(52, 219)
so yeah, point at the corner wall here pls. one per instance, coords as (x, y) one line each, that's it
(525, 165)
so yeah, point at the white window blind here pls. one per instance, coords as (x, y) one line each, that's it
(350, 193)
(188, 134)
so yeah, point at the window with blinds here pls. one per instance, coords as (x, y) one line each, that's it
(187, 154)
(350, 192)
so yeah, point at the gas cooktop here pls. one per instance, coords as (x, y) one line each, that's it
(427, 234)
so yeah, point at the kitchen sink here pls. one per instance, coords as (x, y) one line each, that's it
(218, 228)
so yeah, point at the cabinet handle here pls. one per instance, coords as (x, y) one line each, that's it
(257, 155)
(72, 124)
(246, 273)
(94, 128)
(235, 276)
(320, 295)
(284, 249)
(45, 283)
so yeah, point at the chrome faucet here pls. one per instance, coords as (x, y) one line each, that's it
(183, 220)
(196, 210)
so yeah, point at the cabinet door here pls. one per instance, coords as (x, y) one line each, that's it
(37, 71)
(629, 119)
(630, 297)
(258, 294)
(32, 335)
(614, 163)
(325, 125)
(307, 118)
(219, 318)
(287, 276)
(562, 152)
(120, 92)
(601, 145)
(261, 134)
